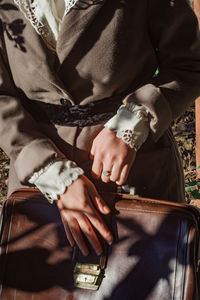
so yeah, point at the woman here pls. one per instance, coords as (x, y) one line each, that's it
(66, 68)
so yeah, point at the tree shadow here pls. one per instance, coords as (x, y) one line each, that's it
(7, 6)
(84, 4)
(80, 48)
(34, 260)
(138, 264)
(14, 30)
(153, 262)
(152, 255)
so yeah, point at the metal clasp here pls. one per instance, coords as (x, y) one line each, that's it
(87, 276)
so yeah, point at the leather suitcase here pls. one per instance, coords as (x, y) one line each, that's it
(154, 256)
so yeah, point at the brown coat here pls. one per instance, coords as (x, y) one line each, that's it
(102, 50)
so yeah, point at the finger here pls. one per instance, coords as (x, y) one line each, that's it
(99, 203)
(76, 233)
(92, 151)
(96, 167)
(59, 204)
(91, 156)
(107, 167)
(116, 172)
(88, 231)
(68, 233)
(96, 220)
(98, 223)
(124, 175)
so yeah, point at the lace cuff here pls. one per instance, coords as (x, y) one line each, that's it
(130, 124)
(53, 179)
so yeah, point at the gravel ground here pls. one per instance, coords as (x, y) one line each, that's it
(184, 131)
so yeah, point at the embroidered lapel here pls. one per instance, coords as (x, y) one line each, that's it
(30, 10)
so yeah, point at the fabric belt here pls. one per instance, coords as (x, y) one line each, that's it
(75, 115)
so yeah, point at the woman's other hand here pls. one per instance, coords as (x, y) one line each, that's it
(112, 156)
(79, 208)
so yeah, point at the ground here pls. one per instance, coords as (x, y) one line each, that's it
(184, 131)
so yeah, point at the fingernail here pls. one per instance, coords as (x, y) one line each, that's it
(72, 244)
(99, 252)
(85, 252)
(110, 241)
(106, 209)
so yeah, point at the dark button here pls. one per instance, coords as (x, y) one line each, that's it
(65, 102)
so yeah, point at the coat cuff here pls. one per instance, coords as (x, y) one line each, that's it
(130, 124)
(53, 179)
(35, 155)
(153, 100)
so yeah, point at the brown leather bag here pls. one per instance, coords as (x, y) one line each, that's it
(154, 256)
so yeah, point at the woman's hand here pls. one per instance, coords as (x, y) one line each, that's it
(78, 208)
(111, 155)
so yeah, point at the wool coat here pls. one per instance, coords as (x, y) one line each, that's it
(104, 48)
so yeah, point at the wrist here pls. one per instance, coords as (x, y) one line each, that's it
(54, 179)
(131, 125)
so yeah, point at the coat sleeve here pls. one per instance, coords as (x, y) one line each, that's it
(173, 29)
(20, 136)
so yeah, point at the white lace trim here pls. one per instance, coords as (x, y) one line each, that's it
(53, 179)
(131, 125)
(37, 174)
(69, 4)
(40, 14)
(129, 137)
(30, 10)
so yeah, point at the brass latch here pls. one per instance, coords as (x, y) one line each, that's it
(87, 276)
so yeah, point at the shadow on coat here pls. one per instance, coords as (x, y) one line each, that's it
(14, 30)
